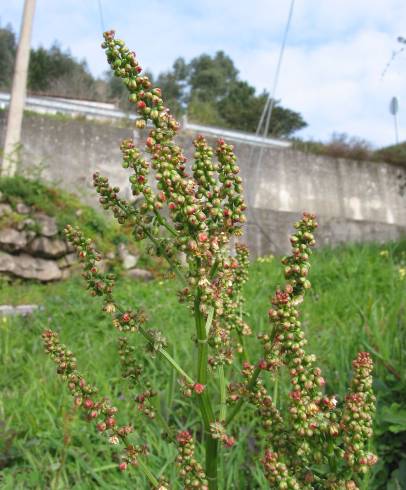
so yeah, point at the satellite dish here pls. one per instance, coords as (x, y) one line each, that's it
(394, 106)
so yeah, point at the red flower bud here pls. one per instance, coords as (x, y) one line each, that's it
(183, 437)
(229, 441)
(122, 466)
(262, 364)
(198, 388)
(88, 403)
(126, 317)
(202, 237)
(141, 105)
(101, 426)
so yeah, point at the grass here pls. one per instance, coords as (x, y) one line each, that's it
(357, 303)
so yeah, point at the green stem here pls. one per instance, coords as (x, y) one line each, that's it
(275, 391)
(241, 402)
(165, 224)
(147, 472)
(211, 462)
(204, 400)
(244, 355)
(165, 354)
(222, 384)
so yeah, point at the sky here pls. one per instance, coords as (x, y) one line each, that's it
(332, 67)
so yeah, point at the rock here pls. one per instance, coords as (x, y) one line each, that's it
(5, 209)
(28, 267)
(26, 309)
(128, 260)
(6, 310)
(141, 274)
(21, 208)
(30, 234)
(48, 248)
(67, 261)
(12, 240)
(47, 224)
(26, 223)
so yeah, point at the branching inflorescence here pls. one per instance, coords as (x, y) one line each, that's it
(191, 215)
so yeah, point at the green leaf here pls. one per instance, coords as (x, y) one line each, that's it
(395, 415)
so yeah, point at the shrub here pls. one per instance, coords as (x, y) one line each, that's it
(317, 442)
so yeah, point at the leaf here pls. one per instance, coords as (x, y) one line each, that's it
(398, 477)
(395, 415)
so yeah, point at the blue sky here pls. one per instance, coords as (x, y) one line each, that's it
(331, 73)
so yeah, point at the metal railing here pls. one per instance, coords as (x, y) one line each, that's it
(103, 110)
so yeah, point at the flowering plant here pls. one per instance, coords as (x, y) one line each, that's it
(197, 211)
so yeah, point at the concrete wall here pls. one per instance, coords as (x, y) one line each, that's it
(354, 201)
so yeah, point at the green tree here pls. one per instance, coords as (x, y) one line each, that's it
(7, 55)
(214, 95)
(210, 78)
(56, 71)
(173, 84)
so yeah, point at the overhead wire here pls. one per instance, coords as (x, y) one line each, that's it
(266, 117)
(101, 16)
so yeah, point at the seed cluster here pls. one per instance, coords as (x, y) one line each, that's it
(202, 210)
(325, 432)
(357, 419)
(101, 284)
(218, 431)
(97, 410)
(190, 471)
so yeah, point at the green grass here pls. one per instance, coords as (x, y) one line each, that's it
(357, 303)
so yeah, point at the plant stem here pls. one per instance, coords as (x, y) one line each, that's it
(165, 354)
(204, 401)
(144, 468)
(211, 462)
(165, 224)
(240, 403)
(222, 384)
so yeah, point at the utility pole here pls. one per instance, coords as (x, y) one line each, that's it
(393, 109)
(18, 92)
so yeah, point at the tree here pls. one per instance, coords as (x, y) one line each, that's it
(174, 86)
(210, 78)
(58, 72)
(209, 89)
(8, 49)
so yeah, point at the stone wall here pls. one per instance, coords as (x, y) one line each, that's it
(354, 200)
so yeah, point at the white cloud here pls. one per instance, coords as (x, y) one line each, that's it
(332, 67)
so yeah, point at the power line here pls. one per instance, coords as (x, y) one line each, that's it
(271, 98)
(103, 27)
(401, 40)
(266, 117)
